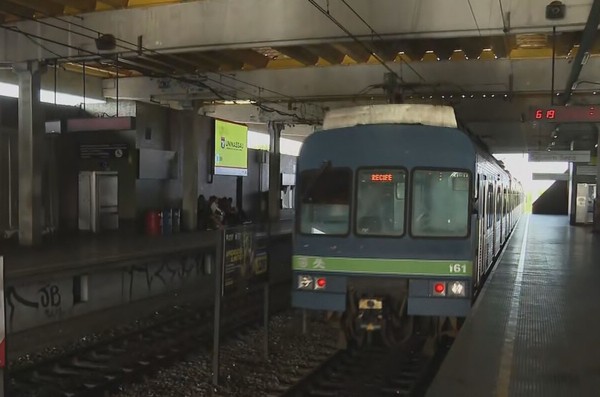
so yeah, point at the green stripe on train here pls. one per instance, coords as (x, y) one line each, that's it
(420, 267)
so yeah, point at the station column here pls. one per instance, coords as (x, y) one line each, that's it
(191, 129)
(31, 130)
(274, 202)
(596, 226)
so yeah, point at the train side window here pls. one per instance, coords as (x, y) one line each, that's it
(325, 196)
(380, 202)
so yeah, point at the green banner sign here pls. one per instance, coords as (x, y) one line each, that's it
(409, 267)
(231, 149)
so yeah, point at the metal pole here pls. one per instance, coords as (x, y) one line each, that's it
(2, 333)
(553, 63)
(304, 321)
(217, 309)
(56, 79)
(83, 82)
(266, 320)
(117, 84)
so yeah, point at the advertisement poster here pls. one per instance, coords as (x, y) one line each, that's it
(231, 149)
(244, 259)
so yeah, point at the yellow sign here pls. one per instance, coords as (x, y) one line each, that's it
(231, 149)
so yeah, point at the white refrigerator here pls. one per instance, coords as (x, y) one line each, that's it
(98, 200)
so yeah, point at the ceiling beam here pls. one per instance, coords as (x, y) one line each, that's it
(115, 3)
(224, 61)
(472, 47)
(386, 50)
(500, 46)
(202, 62)
(300, 54)
(81, 5)
(444, 48)
(414, 50)
(355, 51)
(327, 52)
(587, 39)
(43, 6)
(16, 10)
(565, 42)
(249, 57)
(143, 67)
(198, 25)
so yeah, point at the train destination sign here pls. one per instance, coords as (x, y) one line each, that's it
(382, 177)
(566, 114)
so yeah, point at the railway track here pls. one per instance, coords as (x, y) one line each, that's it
(101, 368)
(373, 370)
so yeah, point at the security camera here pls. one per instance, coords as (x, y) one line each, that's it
(555, 10)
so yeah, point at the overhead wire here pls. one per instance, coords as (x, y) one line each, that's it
(137, 47)
(374, 32)
(474, 17)
(353, 37)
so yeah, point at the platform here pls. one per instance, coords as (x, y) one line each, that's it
(85, 251)
(534, 331)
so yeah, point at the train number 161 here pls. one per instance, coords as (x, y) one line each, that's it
(458, 268)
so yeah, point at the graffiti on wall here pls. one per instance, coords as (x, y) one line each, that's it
(160, 276)
(30, 305)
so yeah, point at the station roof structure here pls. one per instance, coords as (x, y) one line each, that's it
(261, 60)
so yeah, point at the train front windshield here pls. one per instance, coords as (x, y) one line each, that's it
(440, 203)
(325, 205)
(380, 202)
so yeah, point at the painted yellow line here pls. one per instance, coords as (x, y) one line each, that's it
(510, 333)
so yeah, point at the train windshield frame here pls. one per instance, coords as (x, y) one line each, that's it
(325, 201)
(440, 203)
(381, 201)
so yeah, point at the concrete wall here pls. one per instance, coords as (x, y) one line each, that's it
(51, 175)
(155, 131)
(38, 303)
(157, 128)
(45, 301)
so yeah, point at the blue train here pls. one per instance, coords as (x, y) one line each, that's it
(400, 216)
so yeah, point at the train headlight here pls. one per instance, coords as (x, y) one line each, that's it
(305, 282)
(457, 288)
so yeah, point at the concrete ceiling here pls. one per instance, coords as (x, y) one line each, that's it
(287, 61)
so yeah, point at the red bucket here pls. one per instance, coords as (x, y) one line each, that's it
(153, 223)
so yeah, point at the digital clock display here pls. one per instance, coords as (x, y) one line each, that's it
(382, 177)
(541, 114)
(567, 114)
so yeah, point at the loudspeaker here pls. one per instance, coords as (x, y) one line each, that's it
(106, 42)
(555, 10)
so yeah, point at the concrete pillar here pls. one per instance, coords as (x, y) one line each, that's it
(596, 226)
(274, 202)
(572, 188)
(191, 126)
(31, 130)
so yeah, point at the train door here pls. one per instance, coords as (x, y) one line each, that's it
(498, 226)
(489, 227)
(479, 240)
(504, 214)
